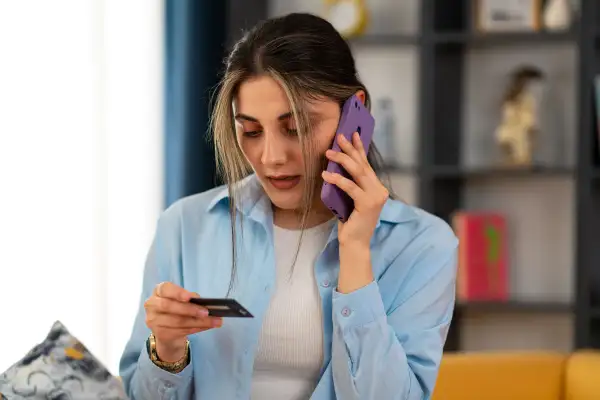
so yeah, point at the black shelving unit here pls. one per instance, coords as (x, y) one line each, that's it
(444, 38)
(587, 321)
(446, 33)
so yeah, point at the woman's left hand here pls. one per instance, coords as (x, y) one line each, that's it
(367, 191)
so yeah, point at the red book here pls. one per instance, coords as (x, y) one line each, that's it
(482, 256)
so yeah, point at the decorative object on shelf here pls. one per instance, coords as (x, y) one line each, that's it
(557, 15)
(507, 15)
(384, 136)
(518, 129)
(349, 17)
(482, 256)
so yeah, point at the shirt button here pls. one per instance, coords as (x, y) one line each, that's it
(326, 283)
(168, 385)
(346, 312)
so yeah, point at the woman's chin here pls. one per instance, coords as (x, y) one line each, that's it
(287, 202)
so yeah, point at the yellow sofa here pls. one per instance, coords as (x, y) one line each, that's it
(519, 376)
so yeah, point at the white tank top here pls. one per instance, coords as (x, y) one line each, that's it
(290, 349)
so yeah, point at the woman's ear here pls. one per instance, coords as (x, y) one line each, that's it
(361, 95)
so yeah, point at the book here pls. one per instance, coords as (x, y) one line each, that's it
(482, 256)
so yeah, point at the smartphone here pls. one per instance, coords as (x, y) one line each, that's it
(355, 117)
(224, 308)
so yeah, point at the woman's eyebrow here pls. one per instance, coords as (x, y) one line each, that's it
(244, 117)
(314, 117)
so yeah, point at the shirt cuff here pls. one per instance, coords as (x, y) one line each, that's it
(164, 380)
(359, 307)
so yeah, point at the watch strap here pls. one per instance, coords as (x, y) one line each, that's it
(173, 367)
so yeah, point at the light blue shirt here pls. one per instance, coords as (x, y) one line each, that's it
(383, 341)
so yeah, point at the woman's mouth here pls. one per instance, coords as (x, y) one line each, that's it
(284, 182)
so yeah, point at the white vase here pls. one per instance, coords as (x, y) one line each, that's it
(557, 15)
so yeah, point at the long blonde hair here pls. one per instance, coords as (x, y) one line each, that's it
(310, 60)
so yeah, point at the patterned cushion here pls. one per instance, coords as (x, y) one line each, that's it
(59, 368)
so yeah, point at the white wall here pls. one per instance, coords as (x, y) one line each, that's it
(80, 168)
(134, 117)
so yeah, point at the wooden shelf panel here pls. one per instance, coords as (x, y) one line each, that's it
(516, 306)
(451, 171)
(386, 40)
(509, 38)
(466, 38)
(479, 172)
(401, 169)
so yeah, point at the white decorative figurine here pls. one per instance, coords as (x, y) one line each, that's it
(519, 126)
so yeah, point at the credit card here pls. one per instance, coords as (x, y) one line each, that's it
(224, 308)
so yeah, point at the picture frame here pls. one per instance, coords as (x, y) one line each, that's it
(507, 16)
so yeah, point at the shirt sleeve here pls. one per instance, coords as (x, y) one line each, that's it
(142, 379)
(394, 353)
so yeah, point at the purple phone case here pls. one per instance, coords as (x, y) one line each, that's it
(355, 118)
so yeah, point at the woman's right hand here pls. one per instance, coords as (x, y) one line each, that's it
(171, 318)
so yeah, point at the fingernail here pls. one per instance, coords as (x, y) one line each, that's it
(203, 313)
(217, 322)
(341, 135)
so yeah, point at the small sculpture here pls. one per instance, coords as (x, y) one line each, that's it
(519, 125)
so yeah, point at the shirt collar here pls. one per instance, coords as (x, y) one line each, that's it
(256, 205)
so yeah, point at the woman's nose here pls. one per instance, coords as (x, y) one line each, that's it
(274, 150)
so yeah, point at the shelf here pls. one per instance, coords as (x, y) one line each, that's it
(401, 169)
(508, 38)
(466, 38)
(385, 39)
(516, 307)
(457, 171)
(481, 172)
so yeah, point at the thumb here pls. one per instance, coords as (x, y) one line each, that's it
(186, 296)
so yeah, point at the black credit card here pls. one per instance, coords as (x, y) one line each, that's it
(224, 308)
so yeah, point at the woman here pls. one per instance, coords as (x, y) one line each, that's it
(354, 310)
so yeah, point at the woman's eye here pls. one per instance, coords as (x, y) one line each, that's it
(252, 133)
(292, 132)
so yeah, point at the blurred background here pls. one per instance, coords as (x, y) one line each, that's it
(103, 115)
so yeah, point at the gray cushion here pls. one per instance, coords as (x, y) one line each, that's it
(59, 368)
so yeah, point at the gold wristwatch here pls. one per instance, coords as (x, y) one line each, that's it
(173, 367)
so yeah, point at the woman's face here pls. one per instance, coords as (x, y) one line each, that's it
(266, 133)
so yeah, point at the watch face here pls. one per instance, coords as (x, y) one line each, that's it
(344, 16)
